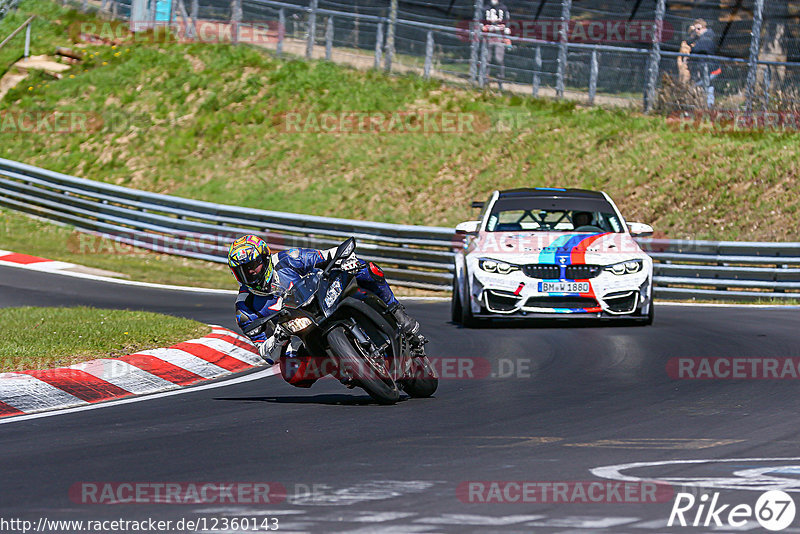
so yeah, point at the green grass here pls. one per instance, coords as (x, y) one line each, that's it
(205, 121)
(43, 338)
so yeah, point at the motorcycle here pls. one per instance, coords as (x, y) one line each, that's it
(335, 318)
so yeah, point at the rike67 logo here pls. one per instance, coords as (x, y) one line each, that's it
(774, 510)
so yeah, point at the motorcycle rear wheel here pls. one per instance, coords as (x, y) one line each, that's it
(353, 362)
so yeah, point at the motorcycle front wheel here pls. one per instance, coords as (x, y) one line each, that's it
(352, 362)
(423, 381)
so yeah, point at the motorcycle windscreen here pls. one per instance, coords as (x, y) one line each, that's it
(331, 292)
(302, 291)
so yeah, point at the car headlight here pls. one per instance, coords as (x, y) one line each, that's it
(625, 267)
(497, 266)
(296, 325)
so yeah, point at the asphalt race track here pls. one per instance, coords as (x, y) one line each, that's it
(562, 401)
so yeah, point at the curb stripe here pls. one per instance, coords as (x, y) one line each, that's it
(106, 379)
(213, 356)
(79, 384)
(29, 394)
(160, 368)
(187, 361)
(247, 356)
(124, 375)
(233, 341)
(24, 259)
(6, 409)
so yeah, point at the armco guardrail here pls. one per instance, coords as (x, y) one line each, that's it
(415, 256)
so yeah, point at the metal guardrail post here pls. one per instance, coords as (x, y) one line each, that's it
(390, 35)
(312, 29)
(428, 55)
(236, 19)
(563, 37)
(755, 46)
(27, 52)
(378, 46)
(474, 42)
(484, 69)
(194, 13)
(767, 84)
(593, 77)
(654, 64)
(329, 39)
(281, 31)
(537, 69)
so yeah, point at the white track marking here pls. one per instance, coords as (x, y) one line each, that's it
(387, 529)
(478, 520)
(380, 517)
(99, 278)
(758, 482)
(130, 400)
(123, 375)
(586, 522)
(29, 394)
(654, 523)
(324, 495)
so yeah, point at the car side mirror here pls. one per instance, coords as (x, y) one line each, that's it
(638, 229)
(469, 227)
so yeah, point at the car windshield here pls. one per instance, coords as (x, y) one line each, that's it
(553, 215)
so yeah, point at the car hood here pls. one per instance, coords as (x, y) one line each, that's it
(551, 247)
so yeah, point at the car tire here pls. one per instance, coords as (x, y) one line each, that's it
(467, 320)
(647, 320)
(455, 302)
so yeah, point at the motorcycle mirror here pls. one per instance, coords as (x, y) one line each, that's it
(342, 251)
(346, 248)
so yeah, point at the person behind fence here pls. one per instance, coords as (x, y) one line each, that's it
(703, 42)
(496, 19)
(264, 277)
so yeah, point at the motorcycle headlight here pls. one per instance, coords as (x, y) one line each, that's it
(626, 267)
(297, 325)
(496, 266)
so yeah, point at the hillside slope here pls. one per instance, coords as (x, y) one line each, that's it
(209, 122)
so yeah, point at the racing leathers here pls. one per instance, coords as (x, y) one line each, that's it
(289, 266)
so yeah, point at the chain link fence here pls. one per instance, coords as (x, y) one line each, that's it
(636, 54)
(6, 6)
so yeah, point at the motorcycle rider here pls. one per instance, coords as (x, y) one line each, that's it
(264, 277)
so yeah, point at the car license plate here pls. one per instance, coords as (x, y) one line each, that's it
(564, 287)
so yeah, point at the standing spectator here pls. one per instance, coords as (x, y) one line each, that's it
(495, 29)
(703, 43)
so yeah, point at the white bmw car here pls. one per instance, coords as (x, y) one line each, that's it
(551, 253)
